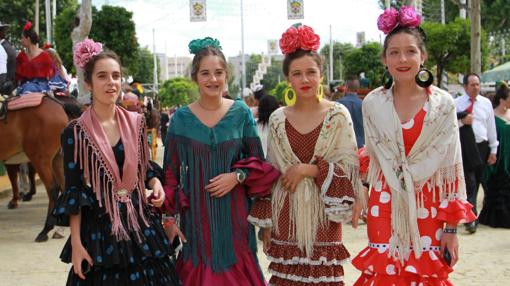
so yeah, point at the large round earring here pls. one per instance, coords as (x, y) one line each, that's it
(424, 77)
(289, 100)
(320, 93)
(387, 79)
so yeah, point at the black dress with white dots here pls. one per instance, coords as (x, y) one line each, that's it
(145, 261)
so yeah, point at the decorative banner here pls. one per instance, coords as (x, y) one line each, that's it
(272, 47)
(197, 10)
(295, 9)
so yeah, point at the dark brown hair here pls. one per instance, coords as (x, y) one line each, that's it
(289, 58)
(32, 35)
(207, 51)
(502, 94)
(89, 67)
(415, 32)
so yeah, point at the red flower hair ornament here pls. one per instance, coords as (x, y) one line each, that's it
(27, 26)
(299, 37)
(391, 19)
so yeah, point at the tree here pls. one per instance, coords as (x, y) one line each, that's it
(115, 28)
(178, 91)
(64, 25)
(80, 32)
(279, 91)
(448, 46)
(273, 76)
(16, 12)
(252, 64)
(142, 70)
(366, 59)
(233, 87)
(340, 51)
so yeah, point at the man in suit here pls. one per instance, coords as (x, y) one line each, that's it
(7, 62)
(478, 138)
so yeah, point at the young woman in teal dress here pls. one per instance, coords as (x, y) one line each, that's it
(205, 140)
(116, 237)
(496, 203)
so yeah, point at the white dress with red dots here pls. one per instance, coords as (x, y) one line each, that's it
(377, 266)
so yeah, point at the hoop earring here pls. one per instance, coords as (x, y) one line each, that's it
(289, 101)
(320, 93)
(387, 79)
(421, 75)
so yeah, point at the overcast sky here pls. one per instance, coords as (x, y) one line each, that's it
(263, 20)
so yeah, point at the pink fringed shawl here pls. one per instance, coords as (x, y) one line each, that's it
(101, 171)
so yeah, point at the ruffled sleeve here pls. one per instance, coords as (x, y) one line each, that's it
(76, 195)
(455, 211)
(336, 190)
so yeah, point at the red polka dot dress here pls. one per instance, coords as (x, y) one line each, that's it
(377, 266)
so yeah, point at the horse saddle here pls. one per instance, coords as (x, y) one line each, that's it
(19, 102)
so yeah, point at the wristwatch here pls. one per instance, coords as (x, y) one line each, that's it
(240, 176)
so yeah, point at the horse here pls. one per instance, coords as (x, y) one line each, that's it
(36, 132)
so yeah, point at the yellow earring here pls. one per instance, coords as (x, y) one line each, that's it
(320, 92)
(289, 101)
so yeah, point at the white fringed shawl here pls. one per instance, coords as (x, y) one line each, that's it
(435, 160)
(337, 145)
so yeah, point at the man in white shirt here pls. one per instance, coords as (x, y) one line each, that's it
(477, 128)
(7, 62)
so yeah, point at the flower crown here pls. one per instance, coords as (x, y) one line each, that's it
(27, 26)
(195, 46)
(391, 19)
(85, 50)
(299, 37)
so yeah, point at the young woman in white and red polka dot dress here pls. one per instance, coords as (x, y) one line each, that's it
(417, 194)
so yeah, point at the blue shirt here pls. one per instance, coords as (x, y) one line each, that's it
(352, 102)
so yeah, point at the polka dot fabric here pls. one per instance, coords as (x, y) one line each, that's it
(289, 266)
(144, 260)
(429, 269)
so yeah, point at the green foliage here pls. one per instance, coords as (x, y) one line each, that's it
(273, 76)
(252, 65)
(64, 25)
(449, 45)
(16, 12)
(143, 69)
(366, 59)
(340, 51)
(178, 91)
(279, 91)
(114, 27)
(495, 15)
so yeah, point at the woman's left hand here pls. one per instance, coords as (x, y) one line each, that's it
(450, 241)
(158, 194)
(222, 184)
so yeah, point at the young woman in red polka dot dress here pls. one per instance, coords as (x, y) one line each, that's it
(417, 194)
(312, 143)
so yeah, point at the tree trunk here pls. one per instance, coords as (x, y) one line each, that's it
(476, 57)
(439, 73)
(80, 32)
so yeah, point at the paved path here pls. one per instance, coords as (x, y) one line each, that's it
(485, 256)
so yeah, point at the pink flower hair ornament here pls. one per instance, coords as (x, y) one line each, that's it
(299, 37)
(391, 19)
(85, 50)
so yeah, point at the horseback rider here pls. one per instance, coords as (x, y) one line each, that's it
(34, 66)
(7, 62)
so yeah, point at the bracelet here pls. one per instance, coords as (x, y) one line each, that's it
(450, 230)
(168, 222)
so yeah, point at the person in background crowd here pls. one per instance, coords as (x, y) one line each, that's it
(496, 203)
(353, 104)
(475, 113)
(7, 62)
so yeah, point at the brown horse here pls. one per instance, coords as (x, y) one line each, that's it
(36, 131)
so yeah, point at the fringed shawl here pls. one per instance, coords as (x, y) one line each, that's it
(435, 160)
(101, 171)
(195, 154)
(337, 145)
